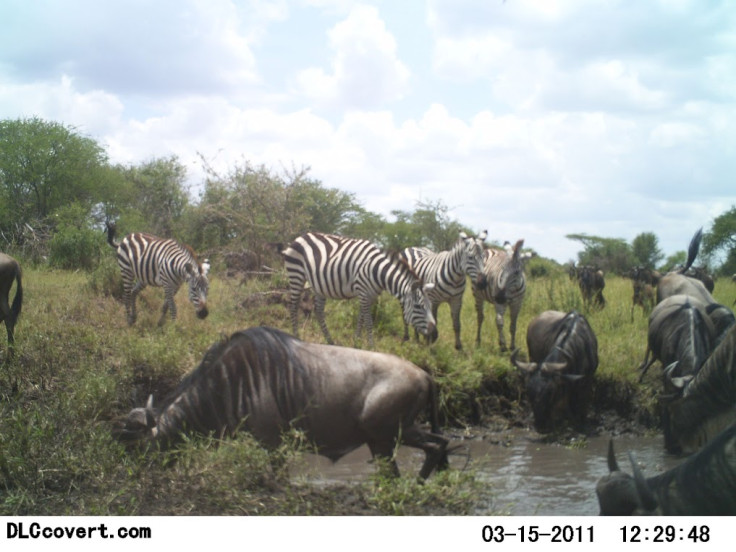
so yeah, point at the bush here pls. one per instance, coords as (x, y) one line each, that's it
(75, 248)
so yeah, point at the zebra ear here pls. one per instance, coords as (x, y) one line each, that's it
(205, 268)
(463, 235)
(483, 235)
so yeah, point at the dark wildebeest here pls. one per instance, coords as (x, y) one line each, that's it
(563, 353)
(10, 272)
(706, 402)
(504, 271)
(644, 282)
(703, 485)
(592, 283)
(676, 283)
(265, 381)
(681, 336)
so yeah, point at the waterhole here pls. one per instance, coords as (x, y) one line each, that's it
(519, 473)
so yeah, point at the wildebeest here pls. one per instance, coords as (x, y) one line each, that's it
(680, 335)
(265, 381)
(707, 402)
(644, 282)
(504, 272)
(703, 485)
(677, 283)
(563, 353)
(592, 283)
(10, 272)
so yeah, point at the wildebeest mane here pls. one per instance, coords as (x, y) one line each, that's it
(234, 373)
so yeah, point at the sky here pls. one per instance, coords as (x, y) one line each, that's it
(532, 119)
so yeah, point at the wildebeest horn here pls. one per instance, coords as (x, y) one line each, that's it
(554, 367)
(645, 493)
(527, 367)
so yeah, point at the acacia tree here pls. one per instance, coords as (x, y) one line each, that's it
(609, 254)
(43, 166)
(722, 239)
(646, 251)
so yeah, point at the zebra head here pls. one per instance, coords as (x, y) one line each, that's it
(510, 281)
(418, 308)
(198, 287)
(472, 257)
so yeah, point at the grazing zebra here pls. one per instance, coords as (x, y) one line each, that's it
(146, 260)
(337, 267)
(447, 270)
(504, 271)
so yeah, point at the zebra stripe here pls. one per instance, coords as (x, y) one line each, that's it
(337, 267)
(447, 270)
(146, 260)
(504, 270)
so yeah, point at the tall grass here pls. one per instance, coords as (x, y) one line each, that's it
(78, 367)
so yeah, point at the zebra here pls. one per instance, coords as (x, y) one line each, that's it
(447, 270)
(504, 270)
(147, 260)
(338, 267)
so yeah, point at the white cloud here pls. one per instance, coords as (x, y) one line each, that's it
(365, 70)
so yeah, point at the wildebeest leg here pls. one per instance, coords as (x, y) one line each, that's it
(479, 304)
(319, 311)
(385, 450)
(500, 311)
(456, 304)
(434, 447)
(646, 363)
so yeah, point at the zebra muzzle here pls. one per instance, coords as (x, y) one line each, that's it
(202, 313)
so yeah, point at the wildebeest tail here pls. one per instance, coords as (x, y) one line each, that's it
(692, 250)
(111, 234)
(18, 301)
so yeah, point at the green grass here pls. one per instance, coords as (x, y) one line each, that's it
(78, 367)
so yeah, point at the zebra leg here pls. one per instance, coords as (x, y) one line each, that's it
(319, 311)
(169, 305)
(500, 311)
(131, 294)
(479, 304)
(456, 304)
(366, 303)
(514, 314)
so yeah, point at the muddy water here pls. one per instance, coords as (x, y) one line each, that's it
(523, 475)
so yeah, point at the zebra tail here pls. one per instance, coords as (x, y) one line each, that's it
(111, 234)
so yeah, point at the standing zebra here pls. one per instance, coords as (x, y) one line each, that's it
(342, 268)
(146, 260)
(447, 270)
(506, 286)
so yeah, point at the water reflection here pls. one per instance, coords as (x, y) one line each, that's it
(524, 475)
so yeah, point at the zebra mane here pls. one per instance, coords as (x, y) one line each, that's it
(397, 258)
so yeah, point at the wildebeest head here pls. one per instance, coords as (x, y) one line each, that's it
(199, 285)
(138, 426)
(472, 257)
(620, 494)
(548, 389)
(563, 352)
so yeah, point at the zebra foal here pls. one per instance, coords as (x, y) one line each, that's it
(448, 270)
(337, 267)
(504, 270)
(146, 260)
